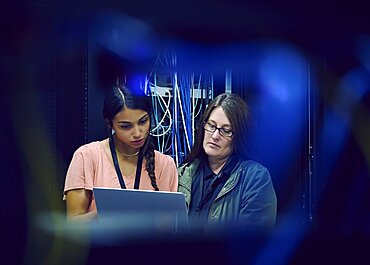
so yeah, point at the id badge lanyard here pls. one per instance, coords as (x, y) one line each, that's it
(118, 170)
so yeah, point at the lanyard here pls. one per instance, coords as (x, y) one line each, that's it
(208, 194)
(118, 170)
(217, 180)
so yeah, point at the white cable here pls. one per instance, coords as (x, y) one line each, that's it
(175, 118)
(211, 86)
(197, 100)
(164, 116)
(146, 82)
(193, 109)
(183, 118)
(228, 81)
(155, 105)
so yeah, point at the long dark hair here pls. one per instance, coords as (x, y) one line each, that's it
(121, 97)
(238, 113)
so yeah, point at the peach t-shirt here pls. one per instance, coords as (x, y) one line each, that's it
(92, 166)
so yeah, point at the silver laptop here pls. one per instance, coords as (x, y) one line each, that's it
(141, 210)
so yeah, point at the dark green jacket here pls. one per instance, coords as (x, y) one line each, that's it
(248, 196)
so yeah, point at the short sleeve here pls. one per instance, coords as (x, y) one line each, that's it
(168, 176)
(80, 171)
(172, 172)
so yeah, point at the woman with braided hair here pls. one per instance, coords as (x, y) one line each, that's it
(126, 159)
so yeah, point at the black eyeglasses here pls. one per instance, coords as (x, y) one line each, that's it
(212, 128)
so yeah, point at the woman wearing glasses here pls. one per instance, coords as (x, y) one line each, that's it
(222, 185)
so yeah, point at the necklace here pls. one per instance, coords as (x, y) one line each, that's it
(125, 155)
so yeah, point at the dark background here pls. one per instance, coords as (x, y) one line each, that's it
(44, 113)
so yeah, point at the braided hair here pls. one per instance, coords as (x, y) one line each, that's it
(121, 97)
(148, 152)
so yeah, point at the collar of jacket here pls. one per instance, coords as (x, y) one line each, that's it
(189, 169)
(184, 181)
(230, 183)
